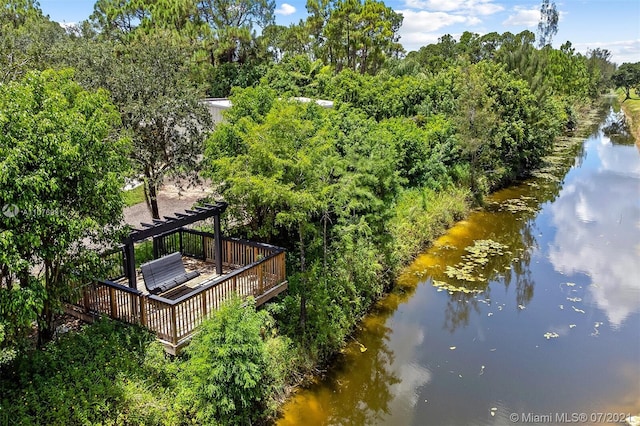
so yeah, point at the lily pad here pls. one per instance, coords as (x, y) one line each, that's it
(478, 255)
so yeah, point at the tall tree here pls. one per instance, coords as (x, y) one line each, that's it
(548, 25)
(627, 76)
(160, 109)
(61, 188)
(600, 68)
(356, 35)
(26, 38)
(148, 77)
(116, 19)
(278, 180)
(231, 25)
(319, 12)
(566, 72)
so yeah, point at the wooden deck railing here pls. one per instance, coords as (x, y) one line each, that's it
(175, 320)
(261, 273)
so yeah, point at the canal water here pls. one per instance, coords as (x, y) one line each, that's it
(527, 312)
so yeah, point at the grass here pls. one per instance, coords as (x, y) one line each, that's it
(631, 108)
(134, 196)
(144, 252)
(421, 216)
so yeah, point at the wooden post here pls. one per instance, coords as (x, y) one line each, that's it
(85, 299)
(218, 243)
(154, 242)
(130, 254)
(204, 304)
(260, 276)
(283, 262)
(112, 302)
(143, 310)
(174, 326)
(134, 309)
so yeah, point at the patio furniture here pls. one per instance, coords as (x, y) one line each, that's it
(165, 273)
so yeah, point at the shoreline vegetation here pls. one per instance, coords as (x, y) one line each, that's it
(631, 109)
(352, 192)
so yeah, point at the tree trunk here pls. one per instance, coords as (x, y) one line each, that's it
(303, 293)
(151, 195)
(45, 324)
(45, 319)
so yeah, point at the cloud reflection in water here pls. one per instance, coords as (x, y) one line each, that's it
(597, 219)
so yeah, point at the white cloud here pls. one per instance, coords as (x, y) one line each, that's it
(414, 41)
(621, 51)
(523, 17)
(285, 9)
(486, 7)
(424, 21)
(67, 25)
(420, 28)
(479, 7)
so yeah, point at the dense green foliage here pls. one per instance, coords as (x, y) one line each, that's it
(352, 191)
(332, 184)
(26, 38)
(232, 368)
(61, 180)
(114, 374)
(108, 373)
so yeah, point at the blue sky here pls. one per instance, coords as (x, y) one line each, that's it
(588, 24)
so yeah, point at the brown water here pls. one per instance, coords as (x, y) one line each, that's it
(549, 326)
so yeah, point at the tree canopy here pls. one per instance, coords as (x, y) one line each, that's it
(627, 76)
(149, 81)
(61, 188)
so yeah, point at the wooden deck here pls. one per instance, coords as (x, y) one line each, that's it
(250, 269)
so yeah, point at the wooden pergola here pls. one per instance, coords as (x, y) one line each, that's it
(252, 269)
(171, 223)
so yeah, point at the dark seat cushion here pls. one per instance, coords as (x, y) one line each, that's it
(165, 273)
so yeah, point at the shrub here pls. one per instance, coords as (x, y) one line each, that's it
(103, 374)
(224, 378)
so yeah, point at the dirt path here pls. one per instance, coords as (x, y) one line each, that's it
(171, 199)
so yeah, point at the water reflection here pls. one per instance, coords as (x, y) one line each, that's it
(366, 397)
(597, 230)
(617, 130)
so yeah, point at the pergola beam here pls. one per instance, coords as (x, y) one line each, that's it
(164, 226)
(169, 224)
